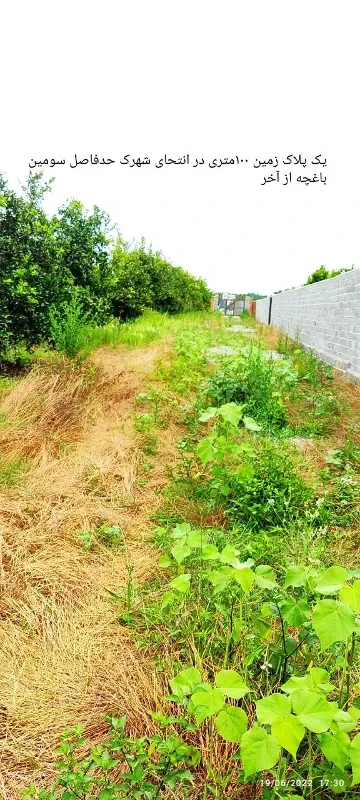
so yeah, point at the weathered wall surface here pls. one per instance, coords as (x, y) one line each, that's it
(262, 310)
(247, 303)
(324, 317)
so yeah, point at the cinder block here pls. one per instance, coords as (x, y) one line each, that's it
(324, 316)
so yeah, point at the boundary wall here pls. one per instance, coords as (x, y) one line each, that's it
(324, 317)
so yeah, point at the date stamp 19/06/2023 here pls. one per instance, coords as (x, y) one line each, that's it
(336, 783)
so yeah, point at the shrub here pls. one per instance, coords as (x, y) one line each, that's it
(69, 330)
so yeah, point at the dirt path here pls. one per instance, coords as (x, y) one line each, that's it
(63, 656)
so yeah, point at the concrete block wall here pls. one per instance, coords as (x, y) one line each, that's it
(262, 310)
(324, 317)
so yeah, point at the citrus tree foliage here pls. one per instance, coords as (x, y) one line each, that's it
(83, 248)
(30, 274)
(43, 260)
(143, 279)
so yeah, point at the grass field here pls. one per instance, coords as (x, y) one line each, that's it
(186, 498)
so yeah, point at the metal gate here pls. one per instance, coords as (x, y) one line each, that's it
(228, 304)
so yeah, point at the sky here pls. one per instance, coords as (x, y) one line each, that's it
(257, 80)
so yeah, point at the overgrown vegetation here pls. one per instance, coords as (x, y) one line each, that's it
(249, 615)
(47, 262)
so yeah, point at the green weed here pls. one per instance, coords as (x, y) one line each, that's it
(257, 484)
(350, 454)
(340, 504)
(4, 421)
(16, 358)
(12, 471)
(159, 403)
(120, 767)
(248, 319)
(69, 328)
(310, 367)
(322, 415)
(267, 492)
(253, 381)
(261, 634)
(148, 328)
(148, 442)
(106, 535)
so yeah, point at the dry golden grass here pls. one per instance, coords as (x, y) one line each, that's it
(63, 656)
(63, 662)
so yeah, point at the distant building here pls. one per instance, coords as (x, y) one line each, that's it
(232, 304)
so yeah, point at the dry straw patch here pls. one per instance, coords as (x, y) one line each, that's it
(63, 656)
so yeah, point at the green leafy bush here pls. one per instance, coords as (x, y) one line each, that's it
(69, 329)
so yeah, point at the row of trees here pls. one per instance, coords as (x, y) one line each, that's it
(43, 260)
